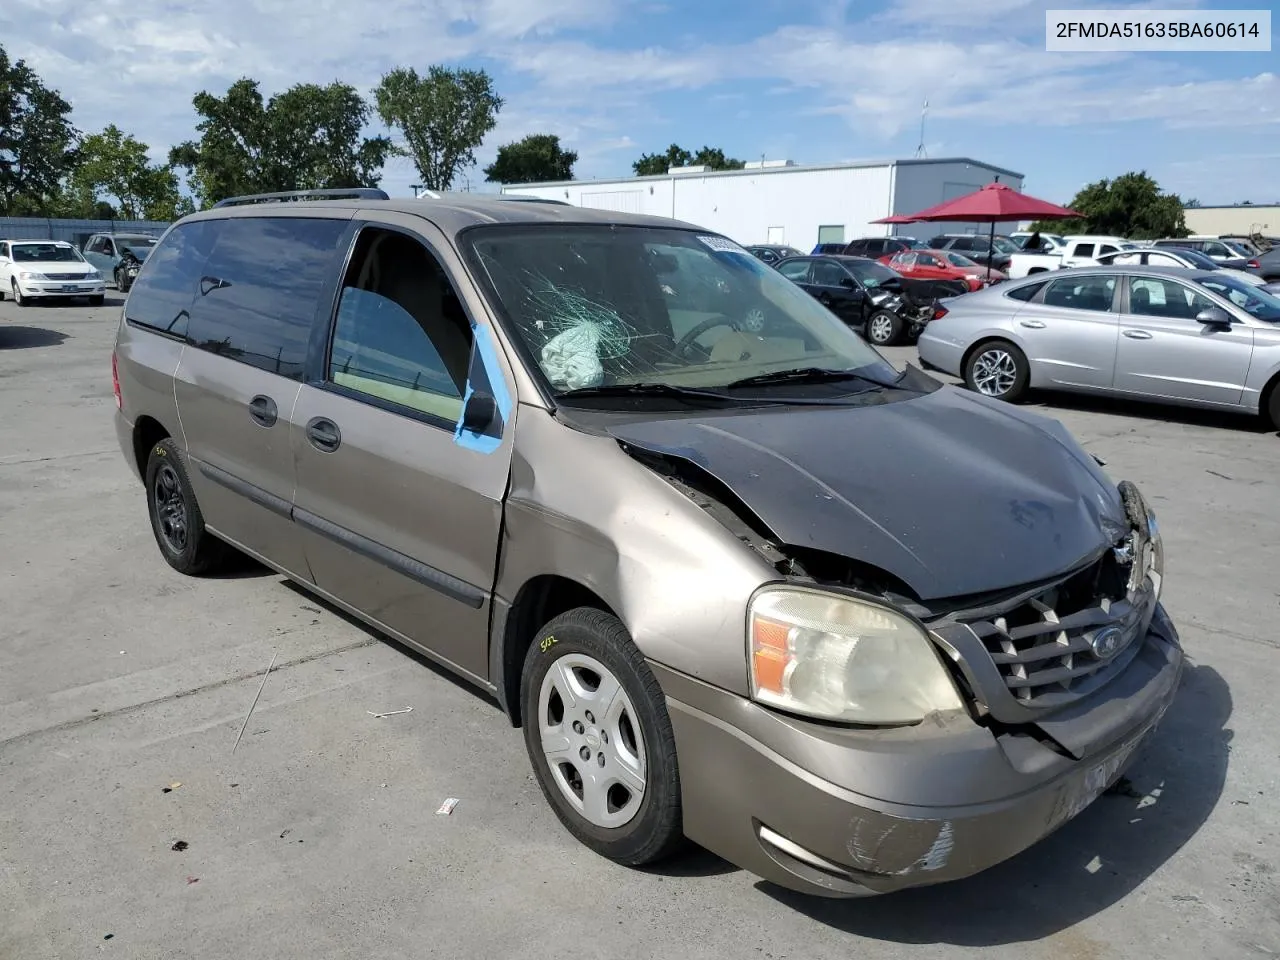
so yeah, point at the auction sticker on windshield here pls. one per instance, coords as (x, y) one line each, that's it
(1174, 31)
(722, 245)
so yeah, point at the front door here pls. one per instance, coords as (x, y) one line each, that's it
(1069, 332)
(1165, 352)
(838, 291)
(401, 508)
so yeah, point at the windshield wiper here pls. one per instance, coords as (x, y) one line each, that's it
(644, 390)
(808, 375)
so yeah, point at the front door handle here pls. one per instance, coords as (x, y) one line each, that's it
(1137, 335)
(263, 410)
(1033, 324)
(324, 434)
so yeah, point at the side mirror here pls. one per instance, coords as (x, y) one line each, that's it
(1214, 317)
(480, 412)
(848, 284)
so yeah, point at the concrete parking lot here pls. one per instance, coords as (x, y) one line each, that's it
(128, 826)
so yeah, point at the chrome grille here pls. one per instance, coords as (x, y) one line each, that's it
(67, 276)
(1065, 641)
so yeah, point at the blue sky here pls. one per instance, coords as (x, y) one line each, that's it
(813, 82)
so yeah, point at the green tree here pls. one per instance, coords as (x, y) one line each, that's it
(538, 156)
(37, 140)
(306, 138)
(655, 164)
(443, 117)
(1131, 205)
(115, 164)
(714, 158)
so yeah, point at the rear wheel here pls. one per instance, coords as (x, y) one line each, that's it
(176, 519)
(885, 329)
(600, 740)
(999, 370)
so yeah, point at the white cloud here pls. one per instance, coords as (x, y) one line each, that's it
(138, 64)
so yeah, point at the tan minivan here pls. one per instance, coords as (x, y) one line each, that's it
(738, 579)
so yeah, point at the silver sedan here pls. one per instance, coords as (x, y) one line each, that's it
(1171, 335)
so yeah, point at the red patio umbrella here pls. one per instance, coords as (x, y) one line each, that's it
(993, 202)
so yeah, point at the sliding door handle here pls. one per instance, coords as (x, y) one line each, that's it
(263, 411)
(323, 434)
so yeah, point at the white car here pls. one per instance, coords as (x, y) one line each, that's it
(1174, 257)
(47, 270)
(1076, 251)
(1049, 242)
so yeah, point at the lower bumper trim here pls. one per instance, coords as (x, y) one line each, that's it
(798, 860)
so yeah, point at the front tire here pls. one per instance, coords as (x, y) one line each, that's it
(1272, 411)
(18, 298)
(600, 740)
(97, 301)
(999, 370)
(885, 329)
(176, 520)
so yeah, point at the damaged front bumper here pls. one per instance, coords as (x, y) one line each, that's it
(847, 812)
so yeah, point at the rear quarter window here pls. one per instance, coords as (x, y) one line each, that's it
(1027, 292)
(259, 289)
(161, 297)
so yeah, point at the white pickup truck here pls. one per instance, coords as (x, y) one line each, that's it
(1077, 251)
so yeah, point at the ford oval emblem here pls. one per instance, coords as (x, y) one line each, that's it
(1106, 642)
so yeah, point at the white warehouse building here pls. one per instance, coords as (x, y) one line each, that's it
(781, 202)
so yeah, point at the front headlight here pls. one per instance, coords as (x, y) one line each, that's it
(92, 274)
(841, 658)
(28, 275)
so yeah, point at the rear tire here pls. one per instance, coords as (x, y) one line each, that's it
(176, 520)
(997, 369)
(885, 329)
(600, 740)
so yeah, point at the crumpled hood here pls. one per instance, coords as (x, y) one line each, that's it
(949, 492)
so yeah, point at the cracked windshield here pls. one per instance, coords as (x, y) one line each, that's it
(608, 306)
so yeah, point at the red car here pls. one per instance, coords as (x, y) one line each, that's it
(942, 265)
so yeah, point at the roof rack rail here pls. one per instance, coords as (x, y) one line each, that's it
(345, 193)
(518, 198)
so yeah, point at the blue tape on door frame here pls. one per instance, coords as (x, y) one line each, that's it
(484, 361)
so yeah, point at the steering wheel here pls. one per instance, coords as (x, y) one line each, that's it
(688, 340)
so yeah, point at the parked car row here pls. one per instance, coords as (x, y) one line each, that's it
(56, 271)
(1168, 334)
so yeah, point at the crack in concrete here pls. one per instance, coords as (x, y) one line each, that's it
(203, 688)
(63, 456)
